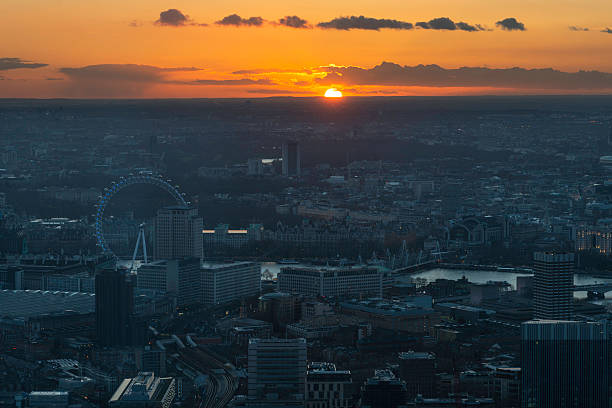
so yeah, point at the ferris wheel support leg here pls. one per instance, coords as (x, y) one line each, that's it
(136, 248)
(144, 247)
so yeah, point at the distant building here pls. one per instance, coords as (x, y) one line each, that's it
(279, 309)
(277, 371)
(48, 399)
(383, 391)
(151, 359)
(597, 238)
(331, 282)
(177, 277)
(178, 233)
(291, 159)
(222, 237)
(228, 282)
(397, 316)
(115, 321)
(144, 391)
(564, 364)
(418, 370)
(255, 167)
(553, 285)
(327, 387)
(507, 386)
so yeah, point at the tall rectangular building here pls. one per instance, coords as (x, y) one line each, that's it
(564, 364)
(177, 277)
(553, 285)
(228, 282)
(277, 371)
(291, 159)
(178, 233)
(115, 322)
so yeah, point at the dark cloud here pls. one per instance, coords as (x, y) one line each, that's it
(511, 24)
(365, 23)
(445, 23)
(236, 20)
(441, 23)
(17, 63)
(116, 80)
(271, 71)
(293, 22)
(607, 30)
(576, 28)
(231, 82)
(173, 17)
(267, 91)
(390, 74)
(54, 79)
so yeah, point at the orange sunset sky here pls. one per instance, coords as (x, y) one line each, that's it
(112, 48)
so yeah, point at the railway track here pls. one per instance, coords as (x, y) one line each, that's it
(222, 383)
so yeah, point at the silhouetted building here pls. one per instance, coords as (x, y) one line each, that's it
(277, 371)
(178, 233)
(565, 364)
(115, 322)
(418, 370)
(328, 387)
(553, 285)
(291, 159)
(177, 277)
(383, 391)
(507, 387)
(279, 309)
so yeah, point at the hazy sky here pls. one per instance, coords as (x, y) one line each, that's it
(112, 48)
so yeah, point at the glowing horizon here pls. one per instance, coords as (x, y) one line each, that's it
(152, 49)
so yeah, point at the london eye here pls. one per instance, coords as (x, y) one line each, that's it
(142, 178)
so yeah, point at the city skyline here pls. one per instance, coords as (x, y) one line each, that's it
(239, 49)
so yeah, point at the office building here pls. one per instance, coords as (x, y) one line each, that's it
(151, 359)
(507, 386)
(144, 391)
(553, 285)
(277, 371)
(177, 277)
(178, 233)
(115, 322)
(48, 399)
(564, 364)
(279, 309)
(331, 282)
(383, 391)
(327, 387)
(418, 370)
(225, 283)
(291, 159)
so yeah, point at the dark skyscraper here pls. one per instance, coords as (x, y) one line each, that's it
(291, 159)
(115, 323)
(564, 364)
(553, 285)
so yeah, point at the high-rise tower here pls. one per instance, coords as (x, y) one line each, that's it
(553, 285)
(178, 233)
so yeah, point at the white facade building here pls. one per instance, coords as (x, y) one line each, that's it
(224, 283)
(332, 282)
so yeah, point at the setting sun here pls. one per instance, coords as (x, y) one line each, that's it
(333, 93)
